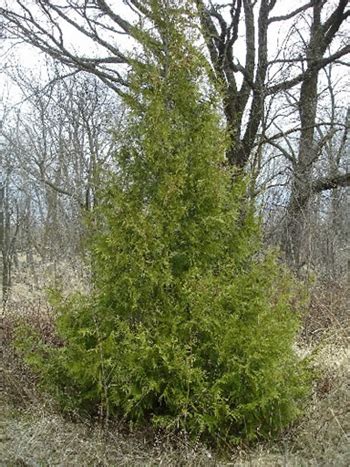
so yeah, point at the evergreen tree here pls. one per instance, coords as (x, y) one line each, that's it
(188, 326)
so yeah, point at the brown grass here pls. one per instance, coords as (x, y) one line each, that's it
(329, 308)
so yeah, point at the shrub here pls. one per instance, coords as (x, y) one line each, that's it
(188, 326)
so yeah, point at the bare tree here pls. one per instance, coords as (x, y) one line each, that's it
(58, 143)
(9, 228)
(252, 85)
(267, 74)
(325, 216)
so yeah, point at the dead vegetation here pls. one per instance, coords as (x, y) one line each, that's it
(35, 433)
(328, 311)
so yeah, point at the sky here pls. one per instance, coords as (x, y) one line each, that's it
(33, 62)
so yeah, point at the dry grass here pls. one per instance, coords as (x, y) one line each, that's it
(41, 438)
(324, 433)
(34, 433)
(30, 285)
(329, 309)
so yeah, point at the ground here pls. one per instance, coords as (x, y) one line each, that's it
(35, 433)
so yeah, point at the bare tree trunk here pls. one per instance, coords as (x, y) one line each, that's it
(2, 234)
(5, 245)
(8, 238)
(295, 242)
(6, 278)
(296, 248)
(2, 225)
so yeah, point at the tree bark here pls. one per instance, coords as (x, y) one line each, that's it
(296, 242)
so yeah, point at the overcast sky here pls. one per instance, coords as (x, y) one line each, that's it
(34, 62)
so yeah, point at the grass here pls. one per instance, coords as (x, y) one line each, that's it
(38, 435)
(35, 433)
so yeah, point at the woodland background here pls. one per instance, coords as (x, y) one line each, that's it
(285, 100)
(283, 72)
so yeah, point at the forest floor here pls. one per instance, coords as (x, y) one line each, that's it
(34, 433)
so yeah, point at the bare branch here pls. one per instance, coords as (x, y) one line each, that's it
(331, 183)
(315, 66)
(293, 13)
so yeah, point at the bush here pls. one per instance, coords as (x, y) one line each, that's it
(188, 326)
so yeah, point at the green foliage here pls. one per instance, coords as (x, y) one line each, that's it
(188, 326)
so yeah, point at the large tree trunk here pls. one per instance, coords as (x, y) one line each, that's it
(296, 239)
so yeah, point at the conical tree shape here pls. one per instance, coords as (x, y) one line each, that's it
(188, 327)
